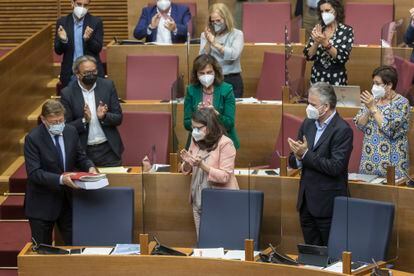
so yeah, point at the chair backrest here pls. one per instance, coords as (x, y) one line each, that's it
(296, 67)
(150, 77)
(266, 21)
(225, 218)
(355, 160)
(192, 6)
(405, 70)
(103, 217)
(365, 225)
(272, 77)
(145, 133)
(289, 129)
(368, 31)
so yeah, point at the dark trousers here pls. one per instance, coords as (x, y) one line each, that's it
(42, 230)
(315, 229)
(102, 155)
(237, 82)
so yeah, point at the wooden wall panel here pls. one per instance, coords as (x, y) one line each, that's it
(25, 71)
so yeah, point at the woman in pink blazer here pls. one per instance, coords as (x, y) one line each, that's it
(210, 158)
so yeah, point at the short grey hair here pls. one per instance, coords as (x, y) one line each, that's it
(80, 60)
(326, 93)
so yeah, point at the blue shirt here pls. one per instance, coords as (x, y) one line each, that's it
(78, 37)
(320, 128)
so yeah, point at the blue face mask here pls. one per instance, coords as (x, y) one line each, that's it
(56, 129)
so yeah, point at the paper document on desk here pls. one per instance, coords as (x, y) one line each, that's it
(337, 267)
(127, 249)
(107, 170)
(265, 172)
(247, 100)
(361, 177)
(217, 253)
(237, 255)
(97, 251)
(92, 185)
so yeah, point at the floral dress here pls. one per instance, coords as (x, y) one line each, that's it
(325, 67)
(387, 143)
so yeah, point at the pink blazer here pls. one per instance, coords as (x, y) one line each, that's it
(221, 162)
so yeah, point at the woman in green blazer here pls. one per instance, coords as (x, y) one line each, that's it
(207, 89)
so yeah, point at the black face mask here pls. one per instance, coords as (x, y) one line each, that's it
(89, 79)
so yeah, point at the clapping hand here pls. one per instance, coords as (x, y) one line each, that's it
(87, 113)
(317, 34)
(170, 24)
(62, 33)
(298, 148)
(209, 35)
(88, 33)
(155, 21)
(367, 99)
(412, 13)
(102, 110)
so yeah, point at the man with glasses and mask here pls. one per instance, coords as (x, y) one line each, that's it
(322, 150)
(93, 108)
(165, 22)
(78, 33)
(50, 150)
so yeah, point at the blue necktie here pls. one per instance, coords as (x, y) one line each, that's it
(59, 150)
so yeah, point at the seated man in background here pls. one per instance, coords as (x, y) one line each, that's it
(51, 149)
(77, 34)
(93, 108)
(409, 34)
(322, 149)
(163, 23)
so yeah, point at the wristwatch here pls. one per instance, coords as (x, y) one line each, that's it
(84, 120)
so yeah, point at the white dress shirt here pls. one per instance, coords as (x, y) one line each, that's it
(96, 135)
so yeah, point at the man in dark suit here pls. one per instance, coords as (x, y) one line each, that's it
(322, 150)
(163, 23)
(77, 34)
(51, 149)
(93, 108)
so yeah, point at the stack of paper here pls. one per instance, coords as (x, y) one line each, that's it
(113, 170)
(247, 100)
(217, 253)
(97, 251)
(127, 249)
(361, 177)
(237, 255)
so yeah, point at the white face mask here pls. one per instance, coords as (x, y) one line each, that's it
(80, 12)
(163, 5)
(328, 18)
(56, 129)
(313, 112)
(378, 91)
(206, 80)
(197, 134)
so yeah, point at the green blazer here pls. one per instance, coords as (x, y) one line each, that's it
(223, 102)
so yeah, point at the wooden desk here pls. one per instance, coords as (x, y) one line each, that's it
(30, 263)
(33, 264)
(165, 210)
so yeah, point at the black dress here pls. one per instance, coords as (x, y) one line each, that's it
(325, 67)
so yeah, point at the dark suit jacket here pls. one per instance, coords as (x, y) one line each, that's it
(181, 15)
(92, 47)
(72, 100)
(325, 166)
(44, 195)
(409, 38)
(299, 8)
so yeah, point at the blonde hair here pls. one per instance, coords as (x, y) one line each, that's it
(224, 12)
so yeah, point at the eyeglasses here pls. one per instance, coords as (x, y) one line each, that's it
(199, 128)
(87, 73)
